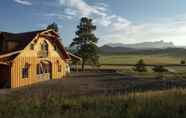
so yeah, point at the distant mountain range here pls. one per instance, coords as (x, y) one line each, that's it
(145, 45)
(158, 47)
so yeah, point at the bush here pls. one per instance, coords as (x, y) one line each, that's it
(140, 66)
(159, 69)
(182, 62)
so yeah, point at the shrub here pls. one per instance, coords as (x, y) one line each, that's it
(159, 69)
(140, 66)
(182, 62)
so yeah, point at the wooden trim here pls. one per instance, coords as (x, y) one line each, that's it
(74, 56)
(9, 54)
(4, 63)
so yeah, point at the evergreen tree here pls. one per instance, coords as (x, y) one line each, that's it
(140, 66)
(85, 42)
(182, 62)
(53, 26)
(160, 69)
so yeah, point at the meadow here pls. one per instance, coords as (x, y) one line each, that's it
(98, 95)
(115, 61)
(133, 58)
(103, 94)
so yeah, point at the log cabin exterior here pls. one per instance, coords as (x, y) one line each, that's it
(31, 57)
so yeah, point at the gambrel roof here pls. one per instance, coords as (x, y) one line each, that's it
(23, 39)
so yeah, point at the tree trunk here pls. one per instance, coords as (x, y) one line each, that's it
(83, 65)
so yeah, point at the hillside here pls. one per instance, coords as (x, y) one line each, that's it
(145, 45)
(124, 50)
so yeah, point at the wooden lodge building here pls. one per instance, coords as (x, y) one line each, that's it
(32, 57)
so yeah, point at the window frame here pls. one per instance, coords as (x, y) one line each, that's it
(25, 71)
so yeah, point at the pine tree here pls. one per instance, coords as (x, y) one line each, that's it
(53, 26)
(85, 42)
(140, 66)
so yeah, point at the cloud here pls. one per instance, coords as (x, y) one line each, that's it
(113, 28)
(98, 11)
(170, 30)
(23, 2)
(81, 6)
(70, 12)
(59, 16)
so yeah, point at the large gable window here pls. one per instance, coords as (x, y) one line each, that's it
(43, 53)
(44, 46)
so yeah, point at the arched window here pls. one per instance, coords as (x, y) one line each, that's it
(45, 46)
(43, 53)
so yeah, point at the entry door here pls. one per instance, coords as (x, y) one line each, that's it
(45, 70)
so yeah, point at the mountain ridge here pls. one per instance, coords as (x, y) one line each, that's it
(144, 45)
(169, 49)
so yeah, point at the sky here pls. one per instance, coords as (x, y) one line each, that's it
(117, 21)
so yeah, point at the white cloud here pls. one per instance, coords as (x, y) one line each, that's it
(98, 11)
(70, 12)
(169, 31)
(23, 2)
(58, 16)
(79, 5)
(120, 24)
(113, 28)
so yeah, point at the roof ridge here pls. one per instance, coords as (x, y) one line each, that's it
(17, 33)
(30, 32)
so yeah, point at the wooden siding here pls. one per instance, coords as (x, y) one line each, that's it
(30, 56)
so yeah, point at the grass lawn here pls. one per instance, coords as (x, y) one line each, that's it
(178, 72)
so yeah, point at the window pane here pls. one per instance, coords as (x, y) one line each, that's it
(25, 72)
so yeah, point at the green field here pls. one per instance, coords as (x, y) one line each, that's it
(176, 72)
(133, 58)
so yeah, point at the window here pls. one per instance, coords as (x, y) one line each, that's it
(45, 46)
(55, 47)
(43, 52)
(25, 71)
(47, 68)
(43, 68)
(32, 46)
(59, 68)
(38, 69)
(35, 41)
